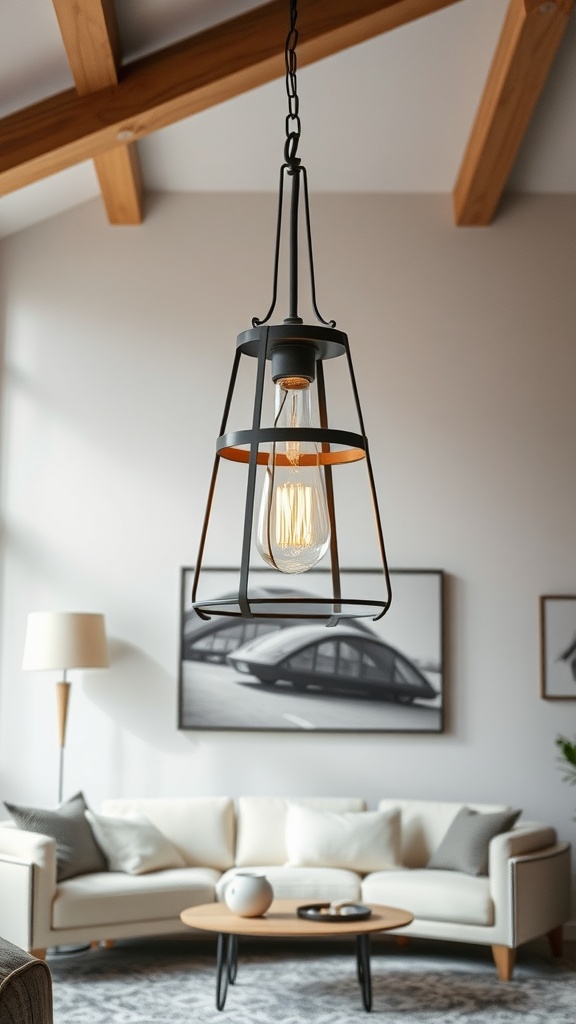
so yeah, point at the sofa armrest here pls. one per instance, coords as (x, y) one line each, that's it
(28, 874)
(541, 884)
(29, 846)
(529, 881)
(525, 838)
(16, 880)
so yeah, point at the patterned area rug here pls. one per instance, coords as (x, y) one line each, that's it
(172, 981)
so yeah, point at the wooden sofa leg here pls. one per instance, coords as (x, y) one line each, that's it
(555, 940)
(40, 954)
(108, 943)
(402, 940)
(504, 958)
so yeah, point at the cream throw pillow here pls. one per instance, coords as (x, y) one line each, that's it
(133, 844)
(361, 841)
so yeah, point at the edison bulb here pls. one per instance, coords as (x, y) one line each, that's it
(293, 530)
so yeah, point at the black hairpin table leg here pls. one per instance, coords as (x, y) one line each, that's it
(232, 958)
(363, 969)
(222, 969)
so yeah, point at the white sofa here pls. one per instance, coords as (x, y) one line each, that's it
(525, 894)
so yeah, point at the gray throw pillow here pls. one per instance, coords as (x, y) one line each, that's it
(465, 845)
(77, 852)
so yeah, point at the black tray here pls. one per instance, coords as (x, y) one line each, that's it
(317, 912)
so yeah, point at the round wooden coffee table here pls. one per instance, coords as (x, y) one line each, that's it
(282, 921)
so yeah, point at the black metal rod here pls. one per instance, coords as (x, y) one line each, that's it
(232, 959)
(255, 321)
(317, 313)
(294, 209)
(379, 534)
(251, 482)
(222, 975)
(334, 557)
(212, 488)
(378, 521)
(363, 969)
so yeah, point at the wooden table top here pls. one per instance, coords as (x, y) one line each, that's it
(282, 921)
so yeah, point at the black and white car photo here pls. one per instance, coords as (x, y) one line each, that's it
(285, 674)
(342, 660)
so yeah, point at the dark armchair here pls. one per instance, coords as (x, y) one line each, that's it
(25, 987)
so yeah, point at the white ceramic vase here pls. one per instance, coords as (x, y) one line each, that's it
(248, 894)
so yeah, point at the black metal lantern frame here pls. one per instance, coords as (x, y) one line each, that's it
(292, 348)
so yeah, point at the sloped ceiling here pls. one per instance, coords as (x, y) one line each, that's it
(468, 96)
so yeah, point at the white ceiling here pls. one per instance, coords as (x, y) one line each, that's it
(390, 115)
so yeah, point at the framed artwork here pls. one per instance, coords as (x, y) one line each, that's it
(291, 676)
(558, 647)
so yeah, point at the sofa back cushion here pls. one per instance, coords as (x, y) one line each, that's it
(424, 823)
(262, 825)
(201, 828)
(133, 844)
(361, 841)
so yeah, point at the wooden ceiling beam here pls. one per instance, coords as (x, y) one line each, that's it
(90, 34)
(530, 37)
(185, 78)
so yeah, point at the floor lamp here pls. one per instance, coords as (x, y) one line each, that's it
(62, 641)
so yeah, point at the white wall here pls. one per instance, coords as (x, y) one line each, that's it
(118, 345)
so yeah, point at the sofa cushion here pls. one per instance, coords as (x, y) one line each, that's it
(432, 895)
(262, 825)
(133, 844)
(201, 828)
(77, 852)
(425, 823)
(308, 884)
(465, 845)
(114, 898)
(362, 841)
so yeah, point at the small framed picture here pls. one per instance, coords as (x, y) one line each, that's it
(558, 647)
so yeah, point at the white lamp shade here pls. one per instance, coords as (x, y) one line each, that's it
(63, 640)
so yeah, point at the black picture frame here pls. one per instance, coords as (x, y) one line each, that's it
(558, 647)
(374, 676)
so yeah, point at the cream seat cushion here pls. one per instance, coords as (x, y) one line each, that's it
(433, 895)
(113, 897)
(312, 884)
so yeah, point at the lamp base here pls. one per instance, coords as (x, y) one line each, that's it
(68, 950)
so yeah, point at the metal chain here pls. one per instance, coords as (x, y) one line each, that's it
(293, 166)
(293, 126)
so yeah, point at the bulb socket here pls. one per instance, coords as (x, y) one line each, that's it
(294, 363)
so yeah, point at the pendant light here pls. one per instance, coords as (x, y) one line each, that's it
(289, 515)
